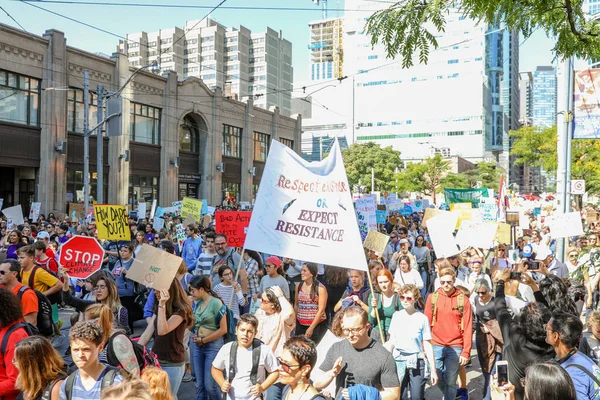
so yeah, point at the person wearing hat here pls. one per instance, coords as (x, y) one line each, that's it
(274, 276)
(404, 251)
(554, 266)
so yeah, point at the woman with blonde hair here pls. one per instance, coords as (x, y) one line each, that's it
(135, 389)
(41, 369)
(158, 383)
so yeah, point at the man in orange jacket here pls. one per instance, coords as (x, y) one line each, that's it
(450, 316)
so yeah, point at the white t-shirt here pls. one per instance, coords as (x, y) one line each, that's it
(404, 278)
(407, 332)
(502, 263)
(240, 387)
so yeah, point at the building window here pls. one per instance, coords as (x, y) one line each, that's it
(189, 135)
(142, 187)
(261, 146)
(145, 124)
(75, 109)
(230, 192)
(19, 99)
(232, 141)
(75, 185)
(288, 142)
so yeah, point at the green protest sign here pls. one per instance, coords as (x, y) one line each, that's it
(472, 196)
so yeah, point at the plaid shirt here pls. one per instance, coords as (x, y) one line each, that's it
(251, 266)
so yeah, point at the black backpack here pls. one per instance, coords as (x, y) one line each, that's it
(145, 358)
(55, 298)
(10, 330)
(45, 324)
(233, 361)
(108, 379)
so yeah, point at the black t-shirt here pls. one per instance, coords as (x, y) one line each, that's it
(590, 346)
(485, 313)
(381, 371)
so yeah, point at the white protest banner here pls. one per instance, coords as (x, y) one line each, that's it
(476, 234)
(142, 209)
(304, 210)
(153, 209)
(15, 213)
(440, 229)
(180, 235)
(154, 268)
(34, 211)
(158, 223)
(565, 225)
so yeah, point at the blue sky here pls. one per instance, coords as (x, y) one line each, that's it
(122, 20)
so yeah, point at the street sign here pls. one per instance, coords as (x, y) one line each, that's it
(578, 186)
(81, 256)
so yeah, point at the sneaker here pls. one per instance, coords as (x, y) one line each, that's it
(462, 394)
(187, 377)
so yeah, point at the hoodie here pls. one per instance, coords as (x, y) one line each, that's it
(447, 330)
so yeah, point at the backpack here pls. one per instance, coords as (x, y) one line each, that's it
(55, 298)
(108, 379)
(145, 358)
(230, 336)
(460, 307)
(10, 330)
(45, 324)
(233, 361)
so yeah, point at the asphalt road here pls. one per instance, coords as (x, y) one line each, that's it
(187, 391)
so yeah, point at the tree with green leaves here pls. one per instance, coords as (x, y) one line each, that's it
(536, 147)
(359, 159)
(408, 28)
(486, 174)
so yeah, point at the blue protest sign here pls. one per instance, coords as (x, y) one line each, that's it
(204, 207)
(381, 214)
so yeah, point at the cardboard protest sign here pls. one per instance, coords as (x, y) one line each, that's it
(142, 209)
(191, 207)
(502, 233)
(15, 213)
(34, 211)
(523, 220)
(381, 216)
(153, 209)
(111, 222)
(206, 220)
(234, 224)
(591, 216)
(154, 268)
(76, 211)
(430, 213)
(180, 235)
(304, 210)
(441, 228)
(158, 224)
(565, 225)
(188, 220)
(376, 241)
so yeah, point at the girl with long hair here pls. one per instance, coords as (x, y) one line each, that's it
(14, 241)
(140, 239)
(311, 299)
(172, 315)
(41, 368)
(158, 383)
(106, 293)
(423, 256)
(127, 286)
(209, 328)
(336, 279)
(385, 303)
(405, 275)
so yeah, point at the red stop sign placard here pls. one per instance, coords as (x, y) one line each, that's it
(81, 256)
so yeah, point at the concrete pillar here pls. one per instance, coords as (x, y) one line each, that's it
(169, 131)
(298, 135)
(247, 153)
(52, 188)
(118, 175)
(275, 124)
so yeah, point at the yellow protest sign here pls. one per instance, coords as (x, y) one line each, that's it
(503, 233)
(111, 222)
(191, 207)
(154, 268)
(376, 241)
(463, 210)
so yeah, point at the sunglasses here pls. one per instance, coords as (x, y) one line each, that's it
(406, 298)
(4, 272)
(481, 293)
(446, 282)
(287, 368)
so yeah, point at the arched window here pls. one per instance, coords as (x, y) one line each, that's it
(189, 135)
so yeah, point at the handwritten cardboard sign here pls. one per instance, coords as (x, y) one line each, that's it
(154, 268)
(191, 207)
(76, 211)
(180, 235)
(111, 222)
(234, 224)
(376, 241)
(188, 220)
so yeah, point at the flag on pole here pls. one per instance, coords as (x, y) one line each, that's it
(502, 200)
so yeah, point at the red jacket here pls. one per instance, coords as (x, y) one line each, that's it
(8, 371)
(447, 328)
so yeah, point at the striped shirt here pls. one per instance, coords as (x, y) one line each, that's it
(204, 265)
(225, 293)
(251, 266)
(307, 308)
(81, 393)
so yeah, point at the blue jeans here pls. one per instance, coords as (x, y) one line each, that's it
(275, 391)
(175, 376)
(412, 380)
(206, 387)
(447, 366)
(424, 277)
(487, 377)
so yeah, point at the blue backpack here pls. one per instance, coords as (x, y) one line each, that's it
(230, 336)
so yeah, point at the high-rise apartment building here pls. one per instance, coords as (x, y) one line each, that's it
(326, 46)
(544, 96)
(238, 61)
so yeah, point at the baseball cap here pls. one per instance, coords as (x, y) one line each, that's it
(276, 261)
(542, 253)
(527, 250)
(43, 235)
(404, 241)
